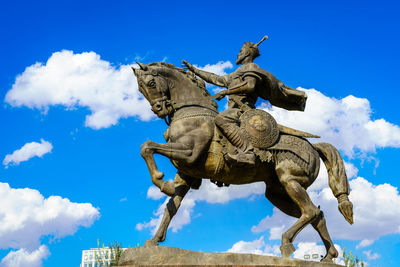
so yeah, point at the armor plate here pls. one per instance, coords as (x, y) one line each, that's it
(259, 127)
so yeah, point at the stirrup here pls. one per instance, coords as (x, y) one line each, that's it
(242, 157)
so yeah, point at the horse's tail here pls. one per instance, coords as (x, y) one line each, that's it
(338, 181)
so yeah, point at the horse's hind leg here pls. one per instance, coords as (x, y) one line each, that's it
(319, 225)
(291, 176)
(181, 188)
(280, 199)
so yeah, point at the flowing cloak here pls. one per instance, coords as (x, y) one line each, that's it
(272, 89)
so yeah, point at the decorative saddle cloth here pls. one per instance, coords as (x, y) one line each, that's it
(269, 138)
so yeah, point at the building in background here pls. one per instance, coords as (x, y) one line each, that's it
(313, 257)
(99, 257)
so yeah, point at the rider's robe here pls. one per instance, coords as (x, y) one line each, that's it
(271, 89)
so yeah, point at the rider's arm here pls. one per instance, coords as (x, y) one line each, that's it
(246, 87)
(211, 77)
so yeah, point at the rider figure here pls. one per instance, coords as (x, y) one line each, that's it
(244, 86)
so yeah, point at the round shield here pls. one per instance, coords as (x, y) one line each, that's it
(259, 127)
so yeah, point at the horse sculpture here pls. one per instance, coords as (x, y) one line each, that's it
(196, 148)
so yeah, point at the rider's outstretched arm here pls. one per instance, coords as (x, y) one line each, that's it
(209, 77)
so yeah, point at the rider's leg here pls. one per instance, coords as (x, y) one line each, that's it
(227, 122)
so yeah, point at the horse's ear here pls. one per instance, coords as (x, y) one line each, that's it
(134, 71)
(142, 66)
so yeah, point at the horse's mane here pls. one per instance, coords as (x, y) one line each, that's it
(190, 75)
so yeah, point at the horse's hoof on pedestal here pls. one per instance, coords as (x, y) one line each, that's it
(150, 243)
(287, 250)
(327, 259)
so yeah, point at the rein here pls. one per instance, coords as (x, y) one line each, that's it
(207, 108)
(183, 113)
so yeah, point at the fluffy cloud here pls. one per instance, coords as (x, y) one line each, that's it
(27, 152)
(375, 214)
(257, 246)
(182, 218)
(26, 216)
(23, 258)
(345, 123)
(365, 243)
(81, 80)
(370, 255)
(218, 68)
(312, 248)
(208, 192)
(84, 80)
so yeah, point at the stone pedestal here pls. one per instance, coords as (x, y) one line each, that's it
(169, 256)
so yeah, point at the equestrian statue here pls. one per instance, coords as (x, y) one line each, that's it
(240, 145)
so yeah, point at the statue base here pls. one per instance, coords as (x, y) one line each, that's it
(140, 256)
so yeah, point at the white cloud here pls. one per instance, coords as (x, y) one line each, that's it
(208, 192)
(257, 246)
(218, 68)
(182, 217)
(370, 255)
(28, 151)
(376, 214)
(154, 193)
(26, 216)
(81, 80)
(23, 258)
(312, 248)
(345, 123)
(365, 243)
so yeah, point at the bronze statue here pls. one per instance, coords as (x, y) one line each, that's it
(284, 159)
(244, 86)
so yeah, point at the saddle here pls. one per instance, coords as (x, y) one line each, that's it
(268, 137)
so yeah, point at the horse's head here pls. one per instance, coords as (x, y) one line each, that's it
(168, 88)
(154, 86)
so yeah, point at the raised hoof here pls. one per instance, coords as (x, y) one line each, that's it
(287, 250)
(150, 243)
(158, 175)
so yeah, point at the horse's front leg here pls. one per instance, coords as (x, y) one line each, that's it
(181, 187)
(175, 151)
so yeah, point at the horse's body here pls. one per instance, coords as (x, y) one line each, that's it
(196, 148)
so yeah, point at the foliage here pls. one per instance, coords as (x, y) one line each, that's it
(350, 261)
(112, 252)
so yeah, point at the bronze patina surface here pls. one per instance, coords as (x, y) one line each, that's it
(169, 256)
(204, 144)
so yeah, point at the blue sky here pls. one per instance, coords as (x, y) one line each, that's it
(73, 100)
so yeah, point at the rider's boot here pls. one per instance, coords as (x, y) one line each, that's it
(242, 157)
(244, 152)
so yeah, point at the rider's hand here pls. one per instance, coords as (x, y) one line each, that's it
(219, 96)
(187, 66)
